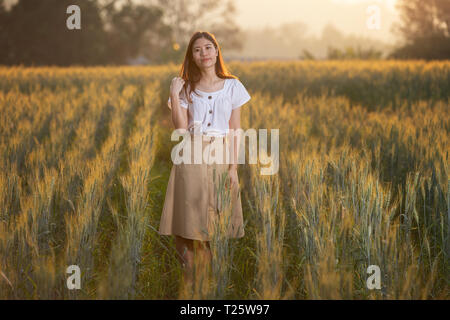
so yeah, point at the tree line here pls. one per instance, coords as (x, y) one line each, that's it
(112, 31)
(115, 32)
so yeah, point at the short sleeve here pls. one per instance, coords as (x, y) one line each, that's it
(239, 95)
(183, 101)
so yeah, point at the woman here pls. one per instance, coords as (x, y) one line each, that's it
(205, 101)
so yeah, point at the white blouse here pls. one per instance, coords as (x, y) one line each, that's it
(210, 112)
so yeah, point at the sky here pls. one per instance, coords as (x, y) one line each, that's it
(349, 16)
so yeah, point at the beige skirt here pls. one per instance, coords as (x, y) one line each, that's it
(199, 204)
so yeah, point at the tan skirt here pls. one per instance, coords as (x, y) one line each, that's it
(198, 194)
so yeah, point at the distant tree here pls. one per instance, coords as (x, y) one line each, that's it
(134, 30)
(331, 35)
(225, 28)
(306, 55)
(5, 43)
(35, 33)
(292, 32)
(425, 27)
(112, 31)
(187, 16)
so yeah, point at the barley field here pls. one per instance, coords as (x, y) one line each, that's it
(363, 180)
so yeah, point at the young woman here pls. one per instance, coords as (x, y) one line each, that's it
(205, 100)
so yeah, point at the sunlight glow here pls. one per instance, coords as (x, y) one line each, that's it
(389, 3)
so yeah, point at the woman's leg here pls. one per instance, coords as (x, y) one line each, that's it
(185, 249)
(205, 252)
(190, 252)
(202, 262)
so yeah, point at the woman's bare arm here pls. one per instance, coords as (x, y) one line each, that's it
(179, 114)
(235, 124)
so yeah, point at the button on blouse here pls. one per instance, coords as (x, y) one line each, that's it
(210, 112)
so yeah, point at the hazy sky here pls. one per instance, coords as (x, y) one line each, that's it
(349, 16)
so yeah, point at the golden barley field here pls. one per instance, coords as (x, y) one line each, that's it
(363, 180)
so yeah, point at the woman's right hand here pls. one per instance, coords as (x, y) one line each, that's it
(176, 86)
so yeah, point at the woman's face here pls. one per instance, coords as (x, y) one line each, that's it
(204, 53)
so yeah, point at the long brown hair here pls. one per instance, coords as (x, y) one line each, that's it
(190, 72)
